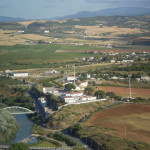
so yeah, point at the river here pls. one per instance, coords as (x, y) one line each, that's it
(24, 130)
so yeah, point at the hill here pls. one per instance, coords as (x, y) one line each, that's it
(122, 11)
(5, 18)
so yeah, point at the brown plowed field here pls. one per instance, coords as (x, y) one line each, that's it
(124, 92)
(130, 121)
(106, 50)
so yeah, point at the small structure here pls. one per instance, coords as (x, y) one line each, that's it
(74, 94)
(51, 71)
(46, 31)
(83, 84)
(68, 99)
(20, 74)
(87, 98)
(8, 73)
(109, 46)
(70, 78)
(42, 101)
(50, 90)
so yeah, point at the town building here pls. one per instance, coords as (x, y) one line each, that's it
(20, 74)
(50, 90)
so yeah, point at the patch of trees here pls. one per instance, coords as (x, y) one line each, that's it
(69, 86)
(100, 94)
(53, 101)
(8, 126)
(135, 67)
(15, 96)
(141, 42)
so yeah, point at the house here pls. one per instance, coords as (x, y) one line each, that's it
(43, 102)
(87, 98)
(21, 74)
(74, 94)
(88, 76)
(8, 73)
(84, 84)
(46, 31)
(114, 78)
(112, 61)
(20, 31)
(51, 71)
(68, 99)
(50, 90)
(70, 78)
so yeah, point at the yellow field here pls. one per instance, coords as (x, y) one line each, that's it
(95, 30)
(10, 37)
(29, 22)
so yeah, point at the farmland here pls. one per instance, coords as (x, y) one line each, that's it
(129, 121)
(124, 92)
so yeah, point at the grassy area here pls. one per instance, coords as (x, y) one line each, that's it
(41, 143)
(70, 114)
(31, 56)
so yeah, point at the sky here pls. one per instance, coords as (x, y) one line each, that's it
(41, 9)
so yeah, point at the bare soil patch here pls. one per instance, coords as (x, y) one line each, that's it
(106, 50)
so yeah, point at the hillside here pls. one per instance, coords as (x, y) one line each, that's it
(99, 31)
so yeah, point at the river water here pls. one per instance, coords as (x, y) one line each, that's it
(24, 130)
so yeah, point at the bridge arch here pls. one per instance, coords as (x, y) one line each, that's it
(18, 110)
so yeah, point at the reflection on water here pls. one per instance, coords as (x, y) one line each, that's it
(24, 130)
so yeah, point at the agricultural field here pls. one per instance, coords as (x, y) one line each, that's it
(36, 56)
(12, 37)
(130, 121)
(124, 92)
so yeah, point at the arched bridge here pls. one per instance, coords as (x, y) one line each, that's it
(18, 110)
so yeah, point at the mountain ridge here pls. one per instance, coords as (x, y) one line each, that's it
(120, 11)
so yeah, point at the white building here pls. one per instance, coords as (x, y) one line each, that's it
(21, 74)
(71, 78)
(69, 99)
(51, 71)
(42, 101)
(50, 90)
(46, 31)
(20, 31)
(74, 94)
(84, 84)
(113, 61)
(87, 98)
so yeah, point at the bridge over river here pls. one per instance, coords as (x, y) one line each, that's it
(18, 110)
(5, 147)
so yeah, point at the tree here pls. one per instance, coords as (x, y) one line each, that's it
(69, 86)
(100, 94)
(75, 129)
(88, 91)
(18, 146)
(111, 94)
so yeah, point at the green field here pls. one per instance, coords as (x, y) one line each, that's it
(37, 56)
